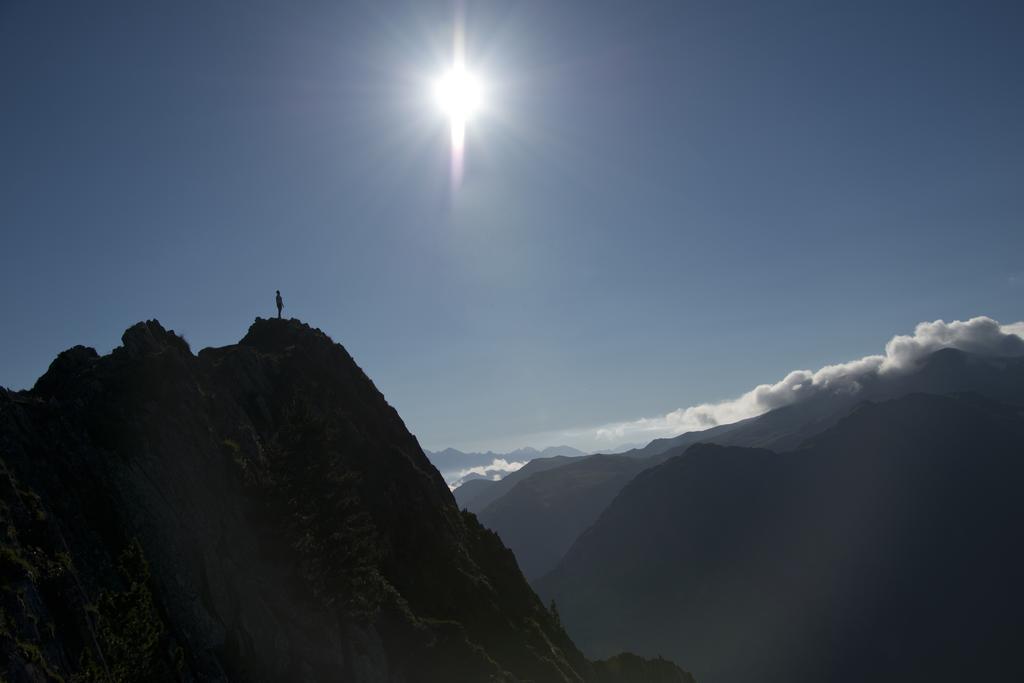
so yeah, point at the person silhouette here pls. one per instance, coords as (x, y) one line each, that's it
(280, 304)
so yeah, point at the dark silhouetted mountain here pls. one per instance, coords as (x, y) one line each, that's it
(885, 549)
(256, 512)
(539, 527)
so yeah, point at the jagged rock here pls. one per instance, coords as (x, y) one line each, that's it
(66, 365)
(150, 337)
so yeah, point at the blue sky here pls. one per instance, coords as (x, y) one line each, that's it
(664, 204)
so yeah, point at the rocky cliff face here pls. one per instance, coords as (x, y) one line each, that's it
(256, 511)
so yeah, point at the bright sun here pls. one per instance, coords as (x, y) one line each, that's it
(459, 94)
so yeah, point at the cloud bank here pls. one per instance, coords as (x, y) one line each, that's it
(980, 335)
(495, 470)
(495, 466)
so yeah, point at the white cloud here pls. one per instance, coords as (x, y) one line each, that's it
(980, 335)
(496, 465)
(1015, 328)
(495, 470)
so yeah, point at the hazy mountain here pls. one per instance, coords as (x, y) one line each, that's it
(886, 549)
(621, 448)
(477, 494)
(541, 516)
(539, 523)
(454, 459)
(256, 512)
(458, 467)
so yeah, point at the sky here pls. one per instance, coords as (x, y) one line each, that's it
(663, 204)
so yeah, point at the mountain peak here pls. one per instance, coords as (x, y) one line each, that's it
(277, 334)
(148, 337)
(66, 365)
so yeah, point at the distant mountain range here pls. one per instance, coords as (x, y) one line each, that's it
(543, 510)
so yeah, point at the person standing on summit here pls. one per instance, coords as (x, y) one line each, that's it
(280, 304)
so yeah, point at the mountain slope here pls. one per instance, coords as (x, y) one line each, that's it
(254, 512)
(884, 550)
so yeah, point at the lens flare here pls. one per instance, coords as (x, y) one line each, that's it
(459, 94)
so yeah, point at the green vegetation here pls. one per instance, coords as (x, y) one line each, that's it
(37, 573)
(129, 627)
(25, 567)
